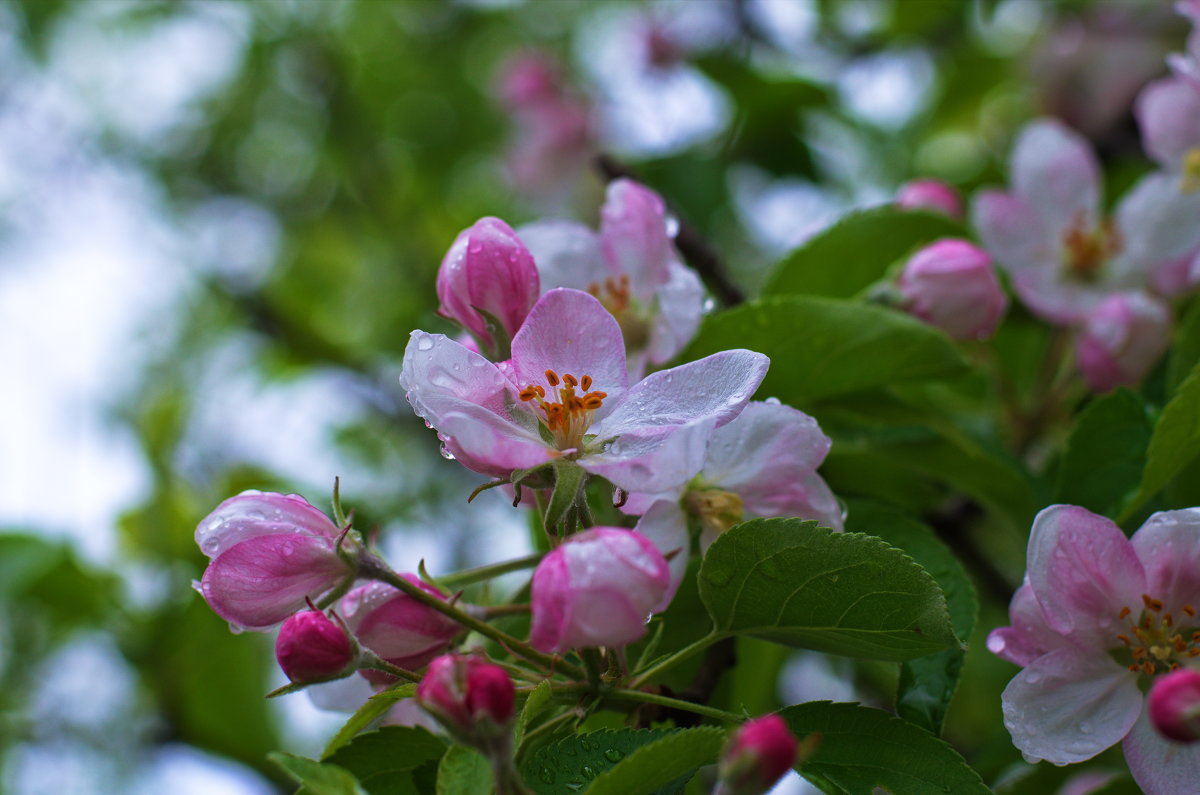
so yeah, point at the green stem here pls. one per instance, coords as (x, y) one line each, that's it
(373, 568)
(469, 576)
(676, 703)
(370, 660)
(499, 611)
(696, 647)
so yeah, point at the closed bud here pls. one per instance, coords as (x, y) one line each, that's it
(1122, 339)
(471, 697)
(932, 195)
(487, 283)
(756, 757)
(951, 285)
(1174, 705)
(312, 648)
(597, 589)
(396, 627)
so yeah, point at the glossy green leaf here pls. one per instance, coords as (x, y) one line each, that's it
(862, 748)
(789, 581)
(317, 778)
(463, 770)
(380, 759)
(857, 251)
(566, 766)
(364, 716)
(1185, 352)
(662, 766)
(821, 347)
(1175, 441)
(1105, 453)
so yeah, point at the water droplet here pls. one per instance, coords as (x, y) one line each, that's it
(546, 775)
(588, 772)
(708, 306)
(424, 344)
(446, 454)
(613, 755)
(1085, 727)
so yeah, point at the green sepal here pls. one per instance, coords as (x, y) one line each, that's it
(502, 351)
(569, 480)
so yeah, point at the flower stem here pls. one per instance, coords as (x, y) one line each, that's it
(646, 674)
(373, 568)
(469, 576)
(676, 703)
(370, 660)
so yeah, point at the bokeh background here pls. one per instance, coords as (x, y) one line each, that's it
(220, 220)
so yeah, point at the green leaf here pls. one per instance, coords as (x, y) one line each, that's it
(662, 765)
(1174, 443)
(1105, 454)
(821, 347)
(384, 756)
(791, 582)
(856, 252)
(317, 778)
(364, 716)
(565, 767)
(1185, 353)
(926, 684)
(535, 703)
(862, 748)
(464, 771)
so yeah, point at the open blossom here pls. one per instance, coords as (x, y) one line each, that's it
(951, 285)
(597, 589)
(397, 627)
(1098, 614)
(1063, 257)
(270, 552)
(565, 395)
(631, 266)
(1122, 339)
(762, 464)
(1168, 114)
(930, 194)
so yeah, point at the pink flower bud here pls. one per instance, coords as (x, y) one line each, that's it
(1122, 339)
(269, 553)
(311, 648)
(528, 80)
(951, 285)
(757, 756)
(397, 627)
(463, 690)
(1174, 705)
(597, 589)
(488, 269)
(932, 195)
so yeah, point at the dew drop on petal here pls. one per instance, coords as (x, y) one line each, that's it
(424, 344)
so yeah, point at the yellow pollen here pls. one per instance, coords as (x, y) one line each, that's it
(565, 414)
(1087, 250)
(1155, 645)
(613, 293)
(1190, 182)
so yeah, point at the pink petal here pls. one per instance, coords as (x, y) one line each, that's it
(440, 376)
(1168, 112)
(633, 234)
(569, 331)
(1157, 223)
(1055, 171)
(1160, 766)
(261, 581)
(1168, 544)
(1056, 300)
(394, 625)
(1014, 233)
(1083, 571)
(486, 443)
(680, 308)
(765, 451)
(665, 525)
(567, 253)
(1028, 638)
(257, 513)
(655, 459)
(550, 613)
(1068, 706)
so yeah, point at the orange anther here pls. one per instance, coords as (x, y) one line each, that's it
(592, 402)
(1148, 668)
(1193, 652)
(551, 378)
(1124, 612)
(1139, 653)
(1151, 603)
(570, 380)
(528, 393)
(1135, 668)
(1178, 643)
(1191, 611)
(586, 383)
(1124, 639)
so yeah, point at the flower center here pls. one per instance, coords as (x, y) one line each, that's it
(614, 294)
(1154, 641)
(566, 414)
(1191, 171)
(1086, 250)
(717, 510)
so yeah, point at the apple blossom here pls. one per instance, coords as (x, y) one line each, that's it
(396, 627)
(597, 589)
(565, 397)
(950, 284)
(1122, 339)
(1186, 65)
(270, 552)
(1173, 704)
(1063, 257)
(1097, 614)
(932, 195)
(488, 277)
(462, 690)
(756, 757)
(311, 647)
(1168, 113)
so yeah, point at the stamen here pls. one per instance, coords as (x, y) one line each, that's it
(586, 383)
(1125, 639)
(551, 378)
(1139, 652)
(570, 381)
(1168, 619)
(1191, 611)
(1125, 611)
(1148, 668)
(1151, 603)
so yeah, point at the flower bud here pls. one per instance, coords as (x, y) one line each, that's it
(311, 648)
(462, 691)
(597, 589)
(1122, 339)
(397, 627)
(528, 80)
(1174, 705)
(757, 756)
(951, 285)
(932, 195)
(270, 552)
(488, 270)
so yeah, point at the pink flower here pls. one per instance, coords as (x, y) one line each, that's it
(311, 648)
(757, 756)
(1187, 65)
(270, 552)
(462, 690)
(1122, 339)
(950, 284)
(1097, 613)
(488, 270)
(1168, 113)
(597, 589)
(930, 194)
(565, 394)
(1063, 257)
(762, 464)
(631, 266)
(397, 627)
(1174, 705)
